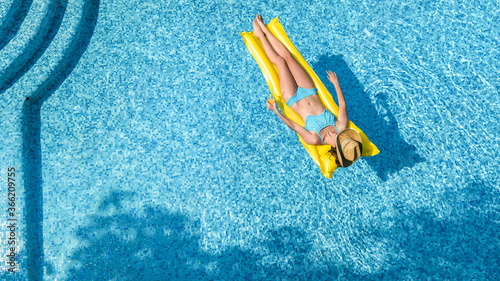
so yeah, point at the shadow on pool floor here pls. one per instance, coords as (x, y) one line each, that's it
(463, 247)
(165, 246)
(31, 115)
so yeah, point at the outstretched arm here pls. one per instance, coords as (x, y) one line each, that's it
(306, 136)
(342, 116)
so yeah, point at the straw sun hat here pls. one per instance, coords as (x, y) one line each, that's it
(349, 147)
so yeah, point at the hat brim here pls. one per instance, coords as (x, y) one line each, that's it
(347, 134)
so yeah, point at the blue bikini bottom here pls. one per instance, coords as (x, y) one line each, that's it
(300, 94)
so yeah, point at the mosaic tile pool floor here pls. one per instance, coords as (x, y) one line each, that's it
(143, 149)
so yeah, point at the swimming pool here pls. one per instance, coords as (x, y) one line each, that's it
(146, 151)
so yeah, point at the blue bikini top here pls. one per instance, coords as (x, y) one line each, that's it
(318, 122)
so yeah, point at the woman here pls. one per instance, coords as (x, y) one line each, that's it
(297, 90)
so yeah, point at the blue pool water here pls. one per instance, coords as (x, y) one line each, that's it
(146, 152)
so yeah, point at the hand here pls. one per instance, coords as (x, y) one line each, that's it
(271, 105)
(332, 76)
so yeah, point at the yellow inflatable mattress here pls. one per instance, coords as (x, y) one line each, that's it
(319, 153)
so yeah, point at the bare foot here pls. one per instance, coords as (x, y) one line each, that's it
(257, 30)
(260, 21)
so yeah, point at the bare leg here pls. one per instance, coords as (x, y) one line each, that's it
(300, 75)
(287, 82)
